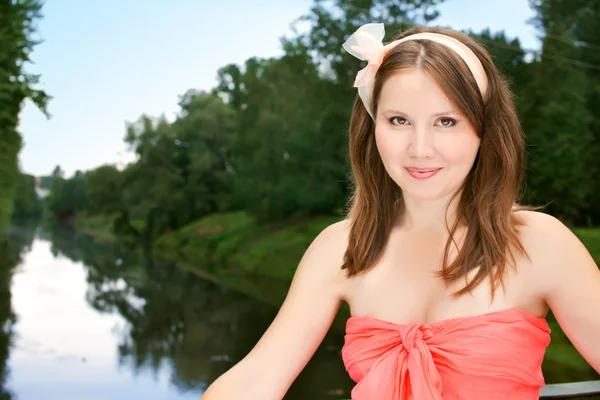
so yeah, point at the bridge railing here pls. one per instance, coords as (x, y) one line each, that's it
(571, 390)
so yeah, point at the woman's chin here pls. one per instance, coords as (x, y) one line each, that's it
(426, 194)
(422, 197)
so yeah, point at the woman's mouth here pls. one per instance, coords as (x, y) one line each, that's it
(422, 173)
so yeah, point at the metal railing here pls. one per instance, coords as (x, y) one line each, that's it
(570, 390)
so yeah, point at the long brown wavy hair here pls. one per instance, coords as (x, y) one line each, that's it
(488, 196)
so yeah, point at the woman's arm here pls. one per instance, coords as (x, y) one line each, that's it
(571, 281)
(313, 299)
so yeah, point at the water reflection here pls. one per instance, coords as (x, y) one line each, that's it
(95, 320)
(12, 248)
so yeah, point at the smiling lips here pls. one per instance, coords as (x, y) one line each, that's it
(422, 173)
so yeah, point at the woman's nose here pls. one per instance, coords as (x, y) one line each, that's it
(421, 143)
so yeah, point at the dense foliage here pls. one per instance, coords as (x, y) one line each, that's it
(17, 30)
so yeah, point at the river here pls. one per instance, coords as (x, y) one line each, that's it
(85, 321)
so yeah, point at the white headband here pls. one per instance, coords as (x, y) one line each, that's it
(367, 44)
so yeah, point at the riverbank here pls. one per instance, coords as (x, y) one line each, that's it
(231, 249)
(100, 227)
(237, 252)
(237, 242)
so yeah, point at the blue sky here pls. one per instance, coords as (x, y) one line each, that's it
(108, 62)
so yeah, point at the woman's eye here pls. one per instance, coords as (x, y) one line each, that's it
(399, 120)
(443, 122)
(446, 122)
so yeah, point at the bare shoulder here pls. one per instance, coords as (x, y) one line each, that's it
(542, 232)
(325, 255)
(335, 235)
(534, 219)
(553, 248)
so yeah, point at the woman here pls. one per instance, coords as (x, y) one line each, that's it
(448, 279)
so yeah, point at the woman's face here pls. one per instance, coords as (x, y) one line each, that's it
(426, 145)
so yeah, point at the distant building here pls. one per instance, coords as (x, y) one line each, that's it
(41, 193)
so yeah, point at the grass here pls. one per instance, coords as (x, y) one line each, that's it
(97, 226)
(277, 253)
(204, 242)
(235, 242)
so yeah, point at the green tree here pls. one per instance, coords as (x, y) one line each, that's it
(27, 204)
(67, 196)
(102, 190)
(560, 120)
(205, 130)
(509, 56)
(153, 185)
(17, 27)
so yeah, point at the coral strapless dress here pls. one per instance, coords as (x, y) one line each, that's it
(493, 356)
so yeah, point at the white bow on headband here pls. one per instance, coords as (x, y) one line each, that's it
(367, 44)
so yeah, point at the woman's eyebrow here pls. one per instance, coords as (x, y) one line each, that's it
(395, 111)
